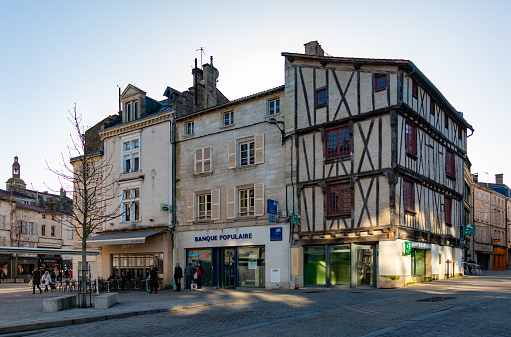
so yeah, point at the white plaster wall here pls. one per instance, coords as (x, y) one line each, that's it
(436, 267)
(391, 261)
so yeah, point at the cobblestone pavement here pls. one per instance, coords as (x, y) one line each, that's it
(468, 306)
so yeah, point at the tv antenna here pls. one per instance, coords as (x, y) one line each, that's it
(201, 52)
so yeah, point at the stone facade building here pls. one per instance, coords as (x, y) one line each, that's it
(32, 219)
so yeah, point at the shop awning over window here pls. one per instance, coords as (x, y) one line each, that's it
(121, 238)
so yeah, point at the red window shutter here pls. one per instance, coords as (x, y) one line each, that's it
(408, 196)
(448, 210)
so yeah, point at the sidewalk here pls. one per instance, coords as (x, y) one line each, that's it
(22, 311)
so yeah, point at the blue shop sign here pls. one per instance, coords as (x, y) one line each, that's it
(272, 206)
(276, 234)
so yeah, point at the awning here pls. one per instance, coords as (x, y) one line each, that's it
(121, 238)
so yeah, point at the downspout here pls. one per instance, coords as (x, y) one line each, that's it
(174, 216)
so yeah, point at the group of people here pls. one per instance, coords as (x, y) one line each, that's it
(46, 278)
(189, 276)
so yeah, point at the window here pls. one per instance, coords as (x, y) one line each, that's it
(432, 107)
(203, 160)
(25, 214)
(338, 199)
(337, 142)
(410, 139)
(229, 118)
(131, 155)
(4, 221)
(446, 122)
(4, 241)
(320, 97)
(415, 89)
(190, 128)
(247, 156)
(135, 110)
(44, 216)
(52, 233)
(70, 234)
(246, 152)
(131, 204)
(447, 210)
(380, 82)
(460, 133)
(204, 206)
(408, 196)
(246, 204)
(43, 230)
(449, 164)
(31, 228)
(128, 112)
(273, 107)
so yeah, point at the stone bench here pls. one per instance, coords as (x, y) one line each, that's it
(55, 304)
(106, 300)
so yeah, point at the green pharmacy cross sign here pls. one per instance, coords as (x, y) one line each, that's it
(407, 248)
(469, 229)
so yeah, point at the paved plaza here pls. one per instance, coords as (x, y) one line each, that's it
(468, 306)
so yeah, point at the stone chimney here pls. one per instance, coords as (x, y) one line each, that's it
(476, 177)
(210, 77)
(499, 179)
(313, 48)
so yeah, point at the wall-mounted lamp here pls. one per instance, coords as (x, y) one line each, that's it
(283, 136)
(151, 220)
(111, 223)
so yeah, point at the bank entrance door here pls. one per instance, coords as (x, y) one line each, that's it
(229, 268)
(363, 266)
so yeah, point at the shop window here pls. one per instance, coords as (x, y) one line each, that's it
(338, 199)
(337, 143)
(418, 258)
(411, 140)
(314, 265)
(251, 267)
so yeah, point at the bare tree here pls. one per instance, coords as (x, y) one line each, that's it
(95, 191)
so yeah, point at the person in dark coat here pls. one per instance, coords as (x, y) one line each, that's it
(178, 275)
(189, 276)
(153, 280)
(36, 281)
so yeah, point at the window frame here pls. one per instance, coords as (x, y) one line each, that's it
(130, 204)
(377, 85)
(246, 196)
(411, 139)
(53, 232)
(323, 100)
(207, 206)
(432, 107)
(276, 109)
(415, 89)
(190, 128)
(130, 154)
(342, 205)
(229, 118)
(450, 168)
(341, 151)
(448, 210)
(250, 159)
(408, 196)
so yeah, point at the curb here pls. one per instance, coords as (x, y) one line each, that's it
(81, 320)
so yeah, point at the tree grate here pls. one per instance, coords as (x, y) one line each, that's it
(436, 299)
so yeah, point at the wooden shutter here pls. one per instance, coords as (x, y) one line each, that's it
(36, 228)
(231, 203)
(232, 155)
(259, 199)
(190, 206)
(206, 157)
(198, 161)
(259, 149)
(215, 204)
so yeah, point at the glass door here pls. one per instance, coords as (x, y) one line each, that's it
(229, 266)
(363, 264)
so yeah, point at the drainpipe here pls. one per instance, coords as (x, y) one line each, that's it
(174, 216)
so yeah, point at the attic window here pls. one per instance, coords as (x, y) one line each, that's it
(380, 82)
(415, 89)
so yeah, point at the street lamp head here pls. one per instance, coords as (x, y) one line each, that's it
(272, 121)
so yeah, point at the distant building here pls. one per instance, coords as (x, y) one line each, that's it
(33, 219)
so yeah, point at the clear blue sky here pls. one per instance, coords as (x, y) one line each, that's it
(54, 54)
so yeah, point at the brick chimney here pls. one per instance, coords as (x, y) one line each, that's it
(475, 177)
(313, 48)
(210, 74)
(499, 179)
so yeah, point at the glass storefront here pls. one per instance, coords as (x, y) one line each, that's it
(338, 265)
(418, 262)
(229, 267)
(137, 265)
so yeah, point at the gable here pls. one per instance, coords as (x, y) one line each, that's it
(131, 90)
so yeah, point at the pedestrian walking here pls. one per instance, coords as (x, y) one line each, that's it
(36, 280)
(153, 280)
(178, 275)
(46, 280)
(189, 276)
(200, 274)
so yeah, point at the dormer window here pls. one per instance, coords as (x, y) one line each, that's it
(128, 112)
(135, 110)
(132, 112)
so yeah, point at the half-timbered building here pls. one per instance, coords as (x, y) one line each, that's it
(378, 174)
